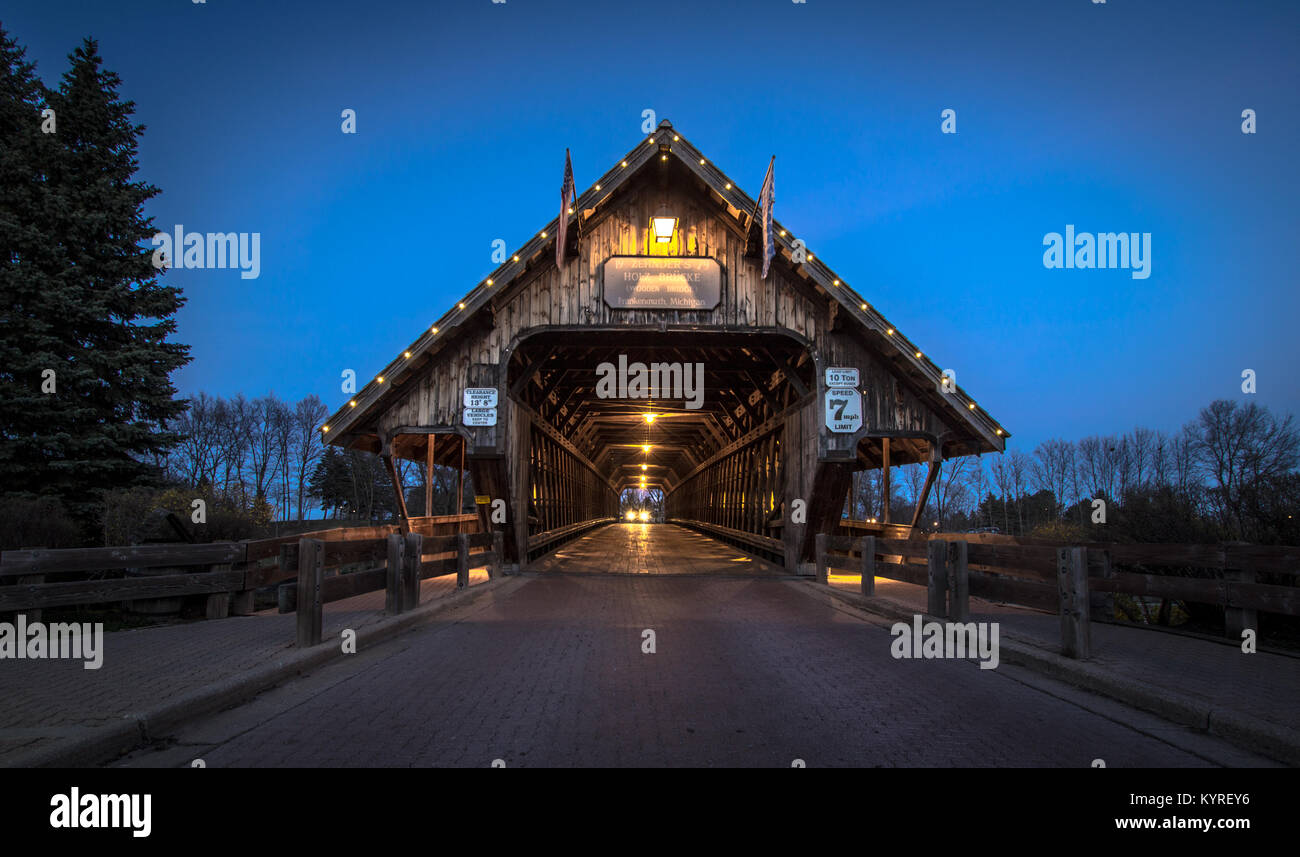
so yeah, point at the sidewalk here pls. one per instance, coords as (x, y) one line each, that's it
(1252, 700)
(58, 712)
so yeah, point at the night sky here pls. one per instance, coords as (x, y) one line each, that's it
(1115, 117)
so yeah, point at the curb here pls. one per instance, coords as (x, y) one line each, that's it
(104, 743)
(1241, 730)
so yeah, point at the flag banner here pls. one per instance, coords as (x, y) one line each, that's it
(765, 199)
(568, 193)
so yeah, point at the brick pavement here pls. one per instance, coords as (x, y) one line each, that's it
(1264, 685)
(44, 701)
(745, 673)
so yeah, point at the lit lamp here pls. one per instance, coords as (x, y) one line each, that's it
(663, 225)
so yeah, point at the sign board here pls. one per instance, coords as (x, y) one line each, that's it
(481, 397)
(480, 416)
(482, 499)
(662, 282)
(843, 410)
(841, 377)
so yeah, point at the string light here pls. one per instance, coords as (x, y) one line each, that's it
(352, 403)
(645, 447)
(433, 330)
(407, 355)
(516, 258)
(324, 428)
(864, 307)
(380, 379)
(461, 305)
(624, 163)
(890, 331)
(918, 355)
(836, 283)
(489, 282)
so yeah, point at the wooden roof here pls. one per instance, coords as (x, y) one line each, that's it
(664, 143)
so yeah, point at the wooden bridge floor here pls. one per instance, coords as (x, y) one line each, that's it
(651, 549)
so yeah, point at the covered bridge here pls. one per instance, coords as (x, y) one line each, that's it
(543, 379)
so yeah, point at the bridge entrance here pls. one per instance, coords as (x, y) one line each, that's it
(644, 415)
(658, 349)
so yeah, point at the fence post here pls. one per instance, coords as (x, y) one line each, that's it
(462, 560)
(32, 615)
(411, 569)
(868, 544)
(396, 560)
(311, 571)
(498, 551)
(822, 571)
(1072, 587)
(958, 582)
(937, 561)
(1237, 619)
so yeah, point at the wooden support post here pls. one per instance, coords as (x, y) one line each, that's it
(498, 555)
(396, 563)
(462, 560)
(958, 583)
(311, 572)
(428, 474)
(868, 544)
(241, 602)
(412, 559)
(32, 615)
(217, 604)
(937, 590)
(885, 488)
(1072, 585)
(936, 459)
(823, 573)
(1238, 619)
(460, 481)
(397, 489)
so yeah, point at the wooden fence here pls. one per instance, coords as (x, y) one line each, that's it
(1074, 581)
(228, 573)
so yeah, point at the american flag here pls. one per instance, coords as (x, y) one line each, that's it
(765, 199)
(568, 193)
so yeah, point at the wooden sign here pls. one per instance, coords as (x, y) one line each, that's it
(662, 282)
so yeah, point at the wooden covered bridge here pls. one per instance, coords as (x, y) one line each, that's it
(650, 351)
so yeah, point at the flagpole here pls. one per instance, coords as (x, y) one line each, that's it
(757, 202)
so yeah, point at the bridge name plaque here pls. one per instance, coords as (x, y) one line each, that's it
(662, 282)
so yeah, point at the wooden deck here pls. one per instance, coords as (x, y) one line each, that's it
(651, 549)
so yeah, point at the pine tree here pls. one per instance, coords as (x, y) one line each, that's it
(90, 304)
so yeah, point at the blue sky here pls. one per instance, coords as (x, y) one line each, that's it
(1123, 116)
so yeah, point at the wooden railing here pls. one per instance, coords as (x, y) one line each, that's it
(1071, 580)
(227, 573)
(408, 559)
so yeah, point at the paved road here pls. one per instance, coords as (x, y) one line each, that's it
(746, 672)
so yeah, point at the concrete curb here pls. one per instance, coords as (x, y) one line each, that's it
(104, 743)
(1242, 730)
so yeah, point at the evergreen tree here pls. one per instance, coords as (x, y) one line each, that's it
(84, 299)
